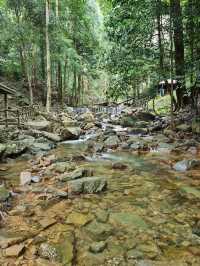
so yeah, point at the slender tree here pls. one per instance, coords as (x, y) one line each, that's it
(48, 59)
(179, 48)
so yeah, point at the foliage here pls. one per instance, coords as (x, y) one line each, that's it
(75, 42)
(137, 57)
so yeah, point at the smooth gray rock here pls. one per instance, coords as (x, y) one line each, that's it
(38, 147)
(186, 165)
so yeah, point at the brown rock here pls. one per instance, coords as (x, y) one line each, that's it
(46, 222)
(15, 251)
(119, 166)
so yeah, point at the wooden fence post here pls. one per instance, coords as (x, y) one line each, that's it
(6, 109)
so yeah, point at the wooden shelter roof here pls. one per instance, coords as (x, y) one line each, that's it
(6, 90)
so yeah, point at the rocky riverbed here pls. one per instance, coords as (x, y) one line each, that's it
(124, 191)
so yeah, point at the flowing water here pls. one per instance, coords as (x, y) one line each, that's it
(145, 217)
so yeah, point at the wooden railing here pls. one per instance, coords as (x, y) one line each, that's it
(9, 117)
(19, 116)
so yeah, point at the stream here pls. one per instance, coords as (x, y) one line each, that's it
(145, 217)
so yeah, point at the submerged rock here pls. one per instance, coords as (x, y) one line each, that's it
(119, 166)
(189, 192)
(78, 219)
(134, 254)
(150, 249)
(15, 251)
(87, 185)
(99, 231)
(98, 247)
(186, 165)
(101, 216)
(7, 240)
(66, 249)
(129, 220)
(4, 194)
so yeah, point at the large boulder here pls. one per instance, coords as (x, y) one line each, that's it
(14, 149)
(196, 126)
(68, 122)
(87, 185)
(87, 117)
(38, 147)
(70, 133)
(38, 125)
(26, 139)
(112, 141)
(128, 121)
(145, 116)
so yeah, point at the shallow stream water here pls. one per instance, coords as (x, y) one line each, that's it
(145, 217)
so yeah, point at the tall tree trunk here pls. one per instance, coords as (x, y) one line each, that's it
(59, 66)
(160, 43)
(191, 29)
(24, 58)
(48, 59)
(171, 67)
(79, 89)
(29, 79)
(74, 88)
(42, 56)
(176, 13)
(65, 78)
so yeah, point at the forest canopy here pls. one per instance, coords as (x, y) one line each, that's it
(113, 49)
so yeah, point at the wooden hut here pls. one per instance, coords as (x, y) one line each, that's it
(164, 86)
(4, 90)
